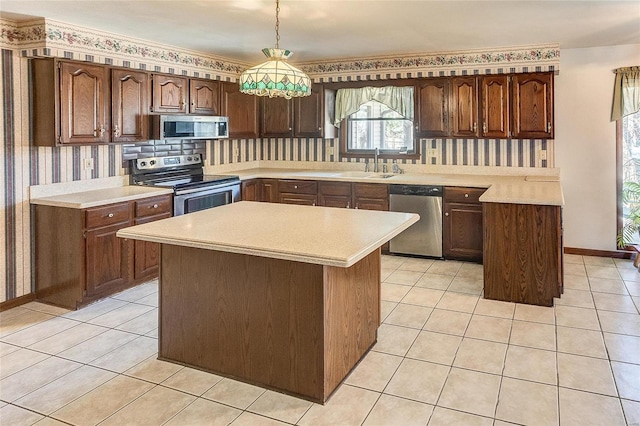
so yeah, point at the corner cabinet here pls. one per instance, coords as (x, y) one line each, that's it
(533, 105)
(78, 257)
(242, 110)
(523, 253)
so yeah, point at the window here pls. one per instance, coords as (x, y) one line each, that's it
(375, 125)
(629, 173)
(376, 118)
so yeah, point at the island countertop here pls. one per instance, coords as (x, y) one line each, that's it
(320, 235)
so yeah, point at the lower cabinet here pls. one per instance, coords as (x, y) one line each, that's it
(462, 224)
(78, 257)
(334, 194)
(302, 192)
(260, 190)
(522, 253)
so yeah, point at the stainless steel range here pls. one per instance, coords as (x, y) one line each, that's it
(192, 189)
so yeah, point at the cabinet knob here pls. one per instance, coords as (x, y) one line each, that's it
(446, 213)
(155, 206)
(110, 215)
(348, 205)
(475, 127)
(116, 132)
(549, 127)
(484, 128)
(295, 186)
(466, 195)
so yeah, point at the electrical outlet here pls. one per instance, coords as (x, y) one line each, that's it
(432, 152)
(542, 154)
(87, 164)
(330, 150)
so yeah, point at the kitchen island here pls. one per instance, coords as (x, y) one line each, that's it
(282, 296)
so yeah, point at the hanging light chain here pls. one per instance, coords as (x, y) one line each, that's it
(277, 24)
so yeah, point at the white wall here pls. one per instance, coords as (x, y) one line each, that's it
(585, 142)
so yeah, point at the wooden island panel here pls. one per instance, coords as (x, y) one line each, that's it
(295, 327)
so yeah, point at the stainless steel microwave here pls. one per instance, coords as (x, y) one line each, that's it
(167, 126)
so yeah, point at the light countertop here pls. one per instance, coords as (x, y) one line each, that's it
(541, 190)
(100, 197)
(320, 235)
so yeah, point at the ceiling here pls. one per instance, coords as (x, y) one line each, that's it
(335, 29)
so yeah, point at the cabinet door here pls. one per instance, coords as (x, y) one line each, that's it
(277, 117)
(309, 114)
(533, 105)
(268, 190)
(242, 111)
(462, 231)
(84, 103)
(334, 194)
(432, 107)
(204, 96)
(130, 91)
(250, 190)
(370, 196)
(108, 260)
(170, 94)
(464, 107)
(495, 106)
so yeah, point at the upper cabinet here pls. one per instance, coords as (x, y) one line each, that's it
(432, 107)
(276, 118)
(204, 96)
(130, 91)
(533, 105)
(494, 91)
(501, 106)
(464, 107)
(170, 94)
(70, 103)
(242, 111)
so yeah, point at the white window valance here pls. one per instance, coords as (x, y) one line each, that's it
(399, 99)
(626, 92)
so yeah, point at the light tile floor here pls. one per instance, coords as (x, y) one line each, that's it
(444, 356)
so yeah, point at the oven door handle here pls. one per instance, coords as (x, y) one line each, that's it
(204, 189)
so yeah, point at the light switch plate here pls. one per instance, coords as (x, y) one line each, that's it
(87, 164)
(432, 152)
(543, 154)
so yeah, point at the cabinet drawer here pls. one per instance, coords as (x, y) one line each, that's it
(107, 215)
(298, 186)
(153, 206)
(370, 190)
(463, 195)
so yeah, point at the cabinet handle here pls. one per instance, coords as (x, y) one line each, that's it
(549, 127)
(446, 213)
(484, 128)
(116, 132)
(110, 215)
(357, 205)
(475, 127)
(348, 205)
(466, 195)
(314, 203)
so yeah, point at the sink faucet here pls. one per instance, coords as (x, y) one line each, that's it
(376, 152)
(396, 168)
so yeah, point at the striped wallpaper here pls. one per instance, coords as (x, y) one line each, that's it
(23, 165)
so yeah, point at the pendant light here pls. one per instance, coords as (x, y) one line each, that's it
(275, 77)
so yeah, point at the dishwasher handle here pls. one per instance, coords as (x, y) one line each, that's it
(419, 190)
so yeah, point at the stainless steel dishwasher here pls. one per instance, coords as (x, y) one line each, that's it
(423, 238)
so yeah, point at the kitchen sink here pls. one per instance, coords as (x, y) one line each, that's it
(365, 175)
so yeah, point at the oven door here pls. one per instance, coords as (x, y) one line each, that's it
(193, 200)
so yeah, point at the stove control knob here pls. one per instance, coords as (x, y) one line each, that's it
(189, 159)
(152, 162)
(143, 163)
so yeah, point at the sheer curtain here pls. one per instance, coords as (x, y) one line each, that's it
(399, 99)
(626, 92)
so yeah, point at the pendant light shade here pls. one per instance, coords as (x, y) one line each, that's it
(275, 77)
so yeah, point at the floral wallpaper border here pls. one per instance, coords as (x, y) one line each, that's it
(45, 37)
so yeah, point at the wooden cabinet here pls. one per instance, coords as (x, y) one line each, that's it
(310, 119)
(70, 103)
(462, 224)
(464, 107)
(170, 94)
(250, 190)
(334, 194)
(532, 105)
(432, 107)
(78, 257)
(370, 196)
(130, 91)
(494, 92)
(242, 110)
(204, 96)
(522, 253)
(276, 117)
(302, 192)
(147, 254)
